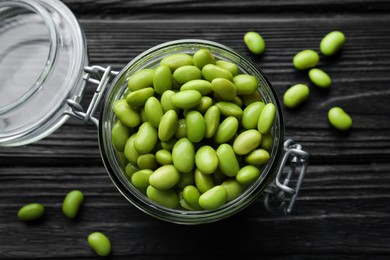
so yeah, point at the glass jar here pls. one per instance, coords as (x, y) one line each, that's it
(68, 45)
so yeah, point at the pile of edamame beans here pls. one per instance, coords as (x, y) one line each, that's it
(194, 130)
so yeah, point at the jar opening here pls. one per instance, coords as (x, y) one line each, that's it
(27, 52)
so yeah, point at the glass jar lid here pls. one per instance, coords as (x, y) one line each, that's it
(42, 55)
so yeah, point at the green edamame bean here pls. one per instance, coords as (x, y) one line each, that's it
(119, 134)
(130, 151)
(206, 159)
(212, 71)
(305, 59)
(140, 179)
(146, 138)
(165, 177)
(186, 99)
(250, 98)
(238, 101)
(203, 57)
(196, 126)
(320, 78)
(183, 155)
(229, 109)
(267, 118)
(332, 43)
(130, 169)
(245, 84)
(224, 88)
(266, 141)
(233, 68)
(201, 85)
(154, 111)
(174, 61)
(296, 95)
(181, 130)
(168, 125)
(246, 142)
(186, 178)
(339, 118)
(203, 182)
(166, 198)
(251, 114)
(213, 198)
(191, 195)
(254, 42)
(204, 104)
(166, 101)
(247, 174)
(72, 203)
(162, 79)
(141, 79)
(31, 212)
(211, 119)
(168, 145)
(126, 114)
(233, 189)
(100, 243)
(257, 157)
(139, 97)
(187, 73)
(227, 160)
(147, 161)
(163, 157)
(226, 130)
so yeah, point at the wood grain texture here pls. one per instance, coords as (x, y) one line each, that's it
(343, 208)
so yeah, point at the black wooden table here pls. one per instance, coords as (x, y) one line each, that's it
(343, 211)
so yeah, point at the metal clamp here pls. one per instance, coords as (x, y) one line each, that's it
(279, 196)
(101, 78)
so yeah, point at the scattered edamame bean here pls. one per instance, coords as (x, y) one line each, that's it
(72, 203)
(100, 243)
(255, 42)
(296, 95)
(266, 118)
(320, 78)
(339, 118)
(213, 198)
(332, 43)
(305, 59)
(31, 212)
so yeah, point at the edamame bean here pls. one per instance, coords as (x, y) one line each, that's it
(305, 59)
(224, 88)
(141, 79)
(166, 101)
(146, 138)
(257, 157)
(267, 118)
(168, 145)
(147, 161)
(174, 61)
(100, 243)
(183, 155)
(233, 68)
(250, 98)
(130, 151)
(332, 43)
(154, 111)
(320, 78)
(247, 174)
(165, 198)
(162, 79)
(211, 119)
(163, 157)
(233, 189)
(226, 130)
(186, 99)
(206, 159)
(126, 114)
(266, 141)
(187, 73)
(213, 198)
(227, 160)
(196, 126)
(202, 57)
(255, 42)
(140, 179)
(138, 98)
(339, 118)
(130, 169)
(31, 212)
(245, 84)
(246, 142)
(296, 95)
(119, 134)
(164, 177)
(229, 109)
(212, 71)
(201, 85)
(203, 182)
(72, 203)
(186, 178)
(181, 130)
(168, 125)
(191, 195)
(251, 114)
(204, 104)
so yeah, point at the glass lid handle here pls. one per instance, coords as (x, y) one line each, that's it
(279, 196)
(99, 76)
